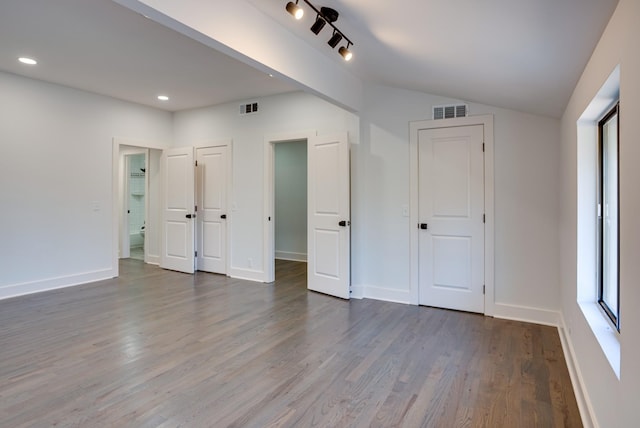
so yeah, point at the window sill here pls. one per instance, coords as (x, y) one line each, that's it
(605, 334)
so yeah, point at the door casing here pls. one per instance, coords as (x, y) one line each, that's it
(489, 258)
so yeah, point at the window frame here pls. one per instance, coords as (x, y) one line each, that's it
(614, 316)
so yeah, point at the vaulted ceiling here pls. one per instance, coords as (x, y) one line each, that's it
(524, 55)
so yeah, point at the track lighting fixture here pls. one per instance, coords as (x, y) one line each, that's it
(323, 16)
(296, 11)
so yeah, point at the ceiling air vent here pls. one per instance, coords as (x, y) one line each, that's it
(248, 108)
(450, 111)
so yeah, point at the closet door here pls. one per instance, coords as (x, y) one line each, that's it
(212, 172)
(178, 219)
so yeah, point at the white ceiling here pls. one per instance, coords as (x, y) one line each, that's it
(525, 55)
(102, 47)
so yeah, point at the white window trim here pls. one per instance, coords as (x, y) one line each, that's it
(587, 292)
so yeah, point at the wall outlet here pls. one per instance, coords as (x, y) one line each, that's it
(405, 211)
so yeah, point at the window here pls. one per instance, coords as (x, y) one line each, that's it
(608, 216)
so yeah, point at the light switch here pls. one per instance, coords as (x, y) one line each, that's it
(405, 211)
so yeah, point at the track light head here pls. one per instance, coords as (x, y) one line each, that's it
(346, 53)
(318, 25)
(335, 39)
(295, 10)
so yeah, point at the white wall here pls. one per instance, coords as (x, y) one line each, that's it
(526, 201)
(56, 181)
(290, 182)
(293, 112)
(526, 194)
(613, 402)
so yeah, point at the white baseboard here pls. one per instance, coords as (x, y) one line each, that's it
(288, 255)
(248, 274)
(357, 292)
(385, 294)
(14, 290)
(527, 314)
(584, 403)
(153, 260)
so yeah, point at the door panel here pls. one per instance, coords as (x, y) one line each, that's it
(178, 223)
(451, 261)
(327, 263)
(212, 173)
(451, 204)
(328, 206)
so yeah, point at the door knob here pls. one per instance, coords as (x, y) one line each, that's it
(190, 216)
(344, 223)
(223, 216)
(424, 226)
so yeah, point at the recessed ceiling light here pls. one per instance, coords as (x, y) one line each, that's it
(28, 61)
(163, 98)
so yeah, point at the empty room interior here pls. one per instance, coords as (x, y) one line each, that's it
(319, 213)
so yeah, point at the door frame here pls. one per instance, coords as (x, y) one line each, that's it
(228, 143)
(269, 249)
(117, 142)
(489, 243)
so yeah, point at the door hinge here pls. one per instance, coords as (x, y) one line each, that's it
(484, 289)
(483, 147)
(196, 254)
(197, 161)
(484, 218)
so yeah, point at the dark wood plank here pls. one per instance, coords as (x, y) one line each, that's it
(155, 348)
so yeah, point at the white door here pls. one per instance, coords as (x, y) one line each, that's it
(212, 173)
(178, 220)
(328, 222)
(451, 212)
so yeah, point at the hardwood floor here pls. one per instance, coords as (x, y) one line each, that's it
(155, 348)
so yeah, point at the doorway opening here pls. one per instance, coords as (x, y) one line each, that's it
(135, 196)
(328, 212)
(136, 203)
(290, 200)
(286, 201)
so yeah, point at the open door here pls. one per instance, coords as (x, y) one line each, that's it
(178, 220)
(212, 175)
(328, 222)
